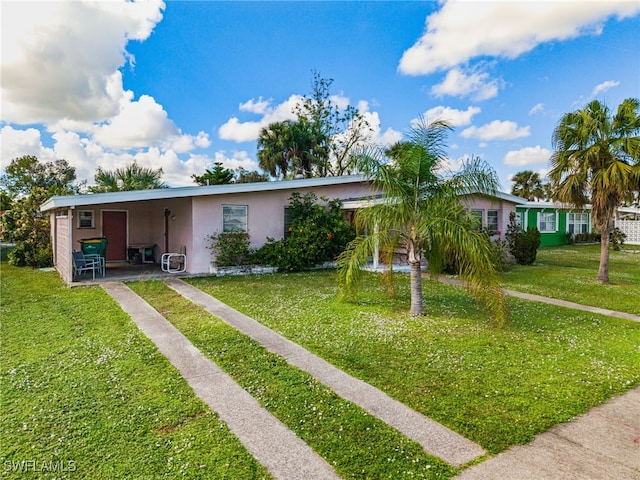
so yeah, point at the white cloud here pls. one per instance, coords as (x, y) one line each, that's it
(239, 131)
(496, 130)
(378, 137)
(454, 117)
(463, 30)
(527, 156)
(259, 107)
(138, 124)
(17, 143)
(60, 59)
(537, 108)
(460, 83)
(603, 87)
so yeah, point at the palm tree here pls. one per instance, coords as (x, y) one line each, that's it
(292, 146)
(273, 142)
(527, 184)
(420, 211)
(131, 177)
(597, 156)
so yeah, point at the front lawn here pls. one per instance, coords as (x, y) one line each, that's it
(569, 273)
(86, 395)
(354, 442)
(496, 387)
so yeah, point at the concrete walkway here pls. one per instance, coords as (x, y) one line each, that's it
(603, 444)
(575, 306)
(434, 438)
(538, 298)
(264, 436)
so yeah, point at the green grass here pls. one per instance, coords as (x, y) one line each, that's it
(355, 443)
(497, 387)
(569, 273)
(84, 390)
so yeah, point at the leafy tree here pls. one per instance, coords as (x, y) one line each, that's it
(420, 211)
(527, 184)
(6, 200)
(320, 142)
(243, 176)
(317, 233)
(25, 225)
(27, 172)
(597, 157)
(28, 182)
(337, 130)
(131, 177)
(216, 176)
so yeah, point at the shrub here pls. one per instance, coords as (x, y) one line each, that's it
(617, 238)
(317, 233)
(231, 249)
(522, 245)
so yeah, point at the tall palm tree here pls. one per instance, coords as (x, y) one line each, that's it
(597, 157)
(527, 184)
(273, 142)
(131, 177)
(291, 146)
(420, 211)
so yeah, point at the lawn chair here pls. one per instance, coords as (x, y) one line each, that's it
(82, 264)
(174, 262)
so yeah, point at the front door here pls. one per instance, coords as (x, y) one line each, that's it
(114, 227)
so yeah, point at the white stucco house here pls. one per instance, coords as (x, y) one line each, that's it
(167, 220)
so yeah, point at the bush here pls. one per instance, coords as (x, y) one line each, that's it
(617, 239)
(522, 245)
(231, 249)
(317, 233)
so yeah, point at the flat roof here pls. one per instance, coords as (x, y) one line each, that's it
(195, 191)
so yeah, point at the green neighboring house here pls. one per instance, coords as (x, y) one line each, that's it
(556, 222)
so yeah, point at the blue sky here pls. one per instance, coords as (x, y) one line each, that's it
(181, 85)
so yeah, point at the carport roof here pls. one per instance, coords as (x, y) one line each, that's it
(195, 191)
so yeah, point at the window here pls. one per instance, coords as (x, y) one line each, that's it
(477, 216)
(234, 218)
(519, 220)
(86, 219)
(577, 223)
(547, 222)
(492, 220)
(287, 221)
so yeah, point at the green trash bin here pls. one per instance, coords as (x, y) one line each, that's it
(94, 246)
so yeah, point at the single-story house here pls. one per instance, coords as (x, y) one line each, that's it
(558, 222)
(148, 223)
(493, 211)
(555, 221)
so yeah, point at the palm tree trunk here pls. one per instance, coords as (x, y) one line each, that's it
(416, 289)
(603, 269)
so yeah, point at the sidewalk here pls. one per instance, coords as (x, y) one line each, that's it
(603, 444)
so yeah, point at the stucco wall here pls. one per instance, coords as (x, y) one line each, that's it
(484, 203)
(265, 217)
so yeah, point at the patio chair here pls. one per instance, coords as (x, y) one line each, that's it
(82, 264)
(98, 258)
(174, 262)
